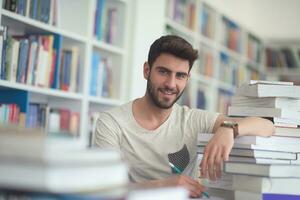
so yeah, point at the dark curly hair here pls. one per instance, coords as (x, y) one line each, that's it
(174, 45)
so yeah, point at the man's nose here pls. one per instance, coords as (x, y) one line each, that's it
(171, 81)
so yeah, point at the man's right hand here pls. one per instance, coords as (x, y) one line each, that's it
(194, 187)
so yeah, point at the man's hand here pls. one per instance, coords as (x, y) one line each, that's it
(194, 187)
(216, 151)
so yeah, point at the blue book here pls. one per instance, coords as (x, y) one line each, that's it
(99, 19)
(57, 48)
(94, 73)
(280, 197)
(44, 11)
(67, 77)
(35, 9)
(21, 7)
(201, 99)
(4, 49)
(14, 96)
(47, 11)
(22, 64)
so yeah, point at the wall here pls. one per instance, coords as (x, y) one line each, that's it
(148, 25)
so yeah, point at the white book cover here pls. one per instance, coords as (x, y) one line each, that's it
(266, 102)
(255, 160)
(54, 122)
(253, 82)
(174, 193)
(264, 170)
(295, 148)
(270, 147)
(283, 122)
(254, 153)
(74, 69)
(14, 60)
(266, 185)
(263, 112)
(258, 160)
(265, 90)
(287, 132)
(257, 140)
(34, 141)
(42, 67)
(31, 62)
(62, 157)
(63, 179)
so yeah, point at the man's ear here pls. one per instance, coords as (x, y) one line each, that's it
(146, 70)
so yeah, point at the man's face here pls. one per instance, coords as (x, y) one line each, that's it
(166, 80)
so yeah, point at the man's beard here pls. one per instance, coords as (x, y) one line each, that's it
(153, 94)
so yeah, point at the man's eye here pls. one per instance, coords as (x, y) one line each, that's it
(181, 76)
(163, 72)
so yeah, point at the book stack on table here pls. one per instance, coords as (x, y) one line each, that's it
(265, 167)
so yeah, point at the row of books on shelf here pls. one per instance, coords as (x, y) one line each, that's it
(207, 21)
(202, 100)
(106, 23)
(17, 109)
(53, 120)
(230, 70)
(182, 12)
(207, 62)
(223, 101)
(283, 58)
(231, 36)
(254, 48)
(101, 76)
(264, 167)
(39, 60)
(44, 11)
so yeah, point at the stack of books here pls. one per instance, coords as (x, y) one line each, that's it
(32, 162)
(265, 167)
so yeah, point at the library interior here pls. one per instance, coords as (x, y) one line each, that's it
(97, 100)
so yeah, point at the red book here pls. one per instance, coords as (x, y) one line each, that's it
(64, 119)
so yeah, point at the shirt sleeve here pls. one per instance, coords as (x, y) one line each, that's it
(203, 121)
(107, 133)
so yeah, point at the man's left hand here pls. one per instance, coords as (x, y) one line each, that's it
(216, 151)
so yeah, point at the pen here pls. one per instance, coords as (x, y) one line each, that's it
(178, 171)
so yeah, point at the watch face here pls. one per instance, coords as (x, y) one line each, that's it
(233, 125)
(230, 123)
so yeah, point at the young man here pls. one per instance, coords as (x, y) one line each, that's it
(153, 132)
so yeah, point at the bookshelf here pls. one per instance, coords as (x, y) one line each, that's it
(282, 60)
(228, 53)
(64, 37)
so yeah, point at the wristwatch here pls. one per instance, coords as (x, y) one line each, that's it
(231, 124)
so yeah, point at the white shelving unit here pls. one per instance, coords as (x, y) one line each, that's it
(210, 40)
(76, 25)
